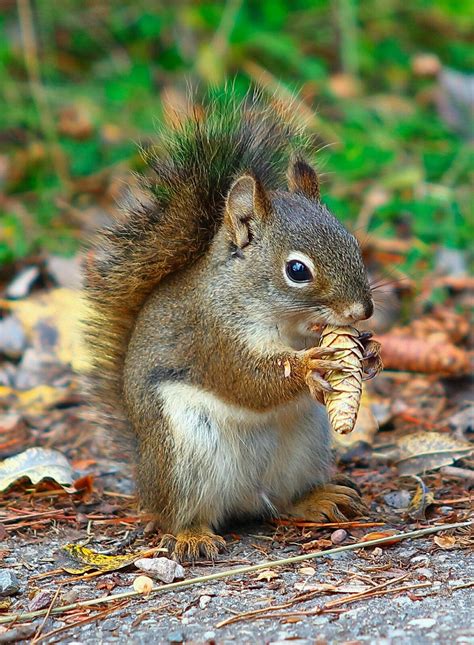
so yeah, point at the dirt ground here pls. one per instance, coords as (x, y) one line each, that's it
(434, 605)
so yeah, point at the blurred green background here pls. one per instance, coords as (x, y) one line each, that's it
(384, 85)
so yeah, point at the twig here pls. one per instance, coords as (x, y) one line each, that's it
(300, 598)
(30, 50)
(173, 586)
(464, 585)
(361, 594)
(90, 619)
(324, 610)
(309, 595)
(458, 473)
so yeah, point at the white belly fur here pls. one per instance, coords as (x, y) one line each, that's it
(233, 461)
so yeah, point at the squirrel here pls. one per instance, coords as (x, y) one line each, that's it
(202, 299)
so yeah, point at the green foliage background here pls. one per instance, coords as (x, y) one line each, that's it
(114, 60)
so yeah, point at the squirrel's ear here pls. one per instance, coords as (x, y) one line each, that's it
(246, 202)
(302, 178)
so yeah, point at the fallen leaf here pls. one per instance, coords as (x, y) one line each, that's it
(81, 560)
(376, 535)
(41, 600)
(307, 571)
(424, 451)
(35, 464)
(445, 541)
(267, 574)
(35, 400)
(420, 501)
(61, 310)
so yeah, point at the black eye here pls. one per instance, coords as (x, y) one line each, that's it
(298, 272)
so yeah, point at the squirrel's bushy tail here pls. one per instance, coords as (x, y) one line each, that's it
(195, 162)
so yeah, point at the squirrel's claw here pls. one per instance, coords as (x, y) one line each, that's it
(330, 503)
(193, 544)
(372, 361)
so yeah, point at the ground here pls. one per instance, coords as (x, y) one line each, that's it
(437, 613)
(435, 573)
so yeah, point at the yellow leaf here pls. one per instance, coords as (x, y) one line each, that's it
(60, 309)
(36, 400)
(84, 559)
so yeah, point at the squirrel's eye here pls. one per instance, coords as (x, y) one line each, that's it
(298, 272)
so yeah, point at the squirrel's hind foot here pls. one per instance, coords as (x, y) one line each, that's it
(330, 503)
(194, 543)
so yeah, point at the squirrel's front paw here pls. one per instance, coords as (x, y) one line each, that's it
(372, 362)
(193, 544)
(330, 503)
(316, 362)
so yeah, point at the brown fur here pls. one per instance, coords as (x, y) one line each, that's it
(200, 338)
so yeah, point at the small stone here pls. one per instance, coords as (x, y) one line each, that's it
(377, 552)
(13, 339)
(9, 583)
(40, 601)
(176, 637)
(420, 559)
(204, 601)
(209, 636)
(338, 536)
(163, 569)
(424, 572)
(422, 623)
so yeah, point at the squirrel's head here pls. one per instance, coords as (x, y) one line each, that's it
(309, 264)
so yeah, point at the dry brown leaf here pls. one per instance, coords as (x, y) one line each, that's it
(35, 464)
(420, 501)
(267, 574)
(445, 541)
(423, 451)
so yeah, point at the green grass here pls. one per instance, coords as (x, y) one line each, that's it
(113, 60)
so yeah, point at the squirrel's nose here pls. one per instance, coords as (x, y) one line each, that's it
(359, 311)
(368, 309)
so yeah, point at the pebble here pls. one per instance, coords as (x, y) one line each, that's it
(204, 601)
(13, 337)
(176, 637)
(338, 536)
(209, 636)
(420, 559)
(422, 623)
(424, 572)
(162, 569)
(9, 583)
